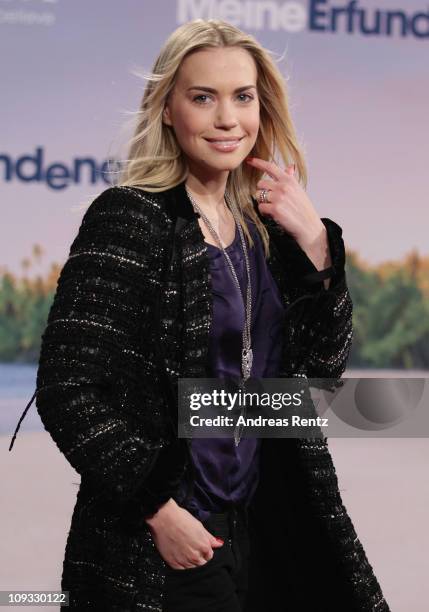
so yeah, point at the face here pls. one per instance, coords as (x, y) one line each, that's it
(215, 99)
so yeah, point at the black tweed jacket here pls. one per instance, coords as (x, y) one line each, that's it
(109, 406)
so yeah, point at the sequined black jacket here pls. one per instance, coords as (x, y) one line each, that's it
(108, 403)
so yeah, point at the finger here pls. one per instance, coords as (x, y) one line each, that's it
(207, 556)
(266, 210)
(176, 565)
(217, 542)
(267, 184)
(201, 561)
(269, 196)
(270, 168)
(291, 169)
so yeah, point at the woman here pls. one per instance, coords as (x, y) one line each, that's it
(149, 294)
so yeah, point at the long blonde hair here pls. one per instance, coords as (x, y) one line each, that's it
(155, 160)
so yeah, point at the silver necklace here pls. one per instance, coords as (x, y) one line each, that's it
(247, 353)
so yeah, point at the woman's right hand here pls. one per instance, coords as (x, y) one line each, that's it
(181, 539)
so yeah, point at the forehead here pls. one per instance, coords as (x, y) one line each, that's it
(219, 68)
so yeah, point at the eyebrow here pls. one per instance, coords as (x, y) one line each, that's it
(211, 90)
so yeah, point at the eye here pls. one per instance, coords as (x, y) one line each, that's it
(247, 95)
(198, 98)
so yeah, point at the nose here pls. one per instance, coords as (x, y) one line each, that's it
(225, 116)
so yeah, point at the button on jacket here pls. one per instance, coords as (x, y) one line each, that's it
(106, 394)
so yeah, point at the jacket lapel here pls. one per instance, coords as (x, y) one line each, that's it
(197, 300)
(196, 284)
(193, 270)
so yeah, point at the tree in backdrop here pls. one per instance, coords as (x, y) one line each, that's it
(390, 311)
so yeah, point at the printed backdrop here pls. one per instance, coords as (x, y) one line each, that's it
(357, 74)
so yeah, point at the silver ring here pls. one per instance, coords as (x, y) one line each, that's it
(263, 196)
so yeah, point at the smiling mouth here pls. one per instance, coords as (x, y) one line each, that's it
(224, 141)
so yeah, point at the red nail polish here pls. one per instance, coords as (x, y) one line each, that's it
(249, 158)
(219, 540)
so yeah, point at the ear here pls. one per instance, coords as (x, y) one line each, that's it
(166, 115)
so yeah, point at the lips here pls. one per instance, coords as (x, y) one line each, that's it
(224, 140)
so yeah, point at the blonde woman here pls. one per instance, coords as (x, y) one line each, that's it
(193, 265)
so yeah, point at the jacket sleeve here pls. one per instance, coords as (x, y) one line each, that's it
(320, 319)
(94, 330)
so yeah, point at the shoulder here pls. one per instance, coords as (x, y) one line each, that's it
(130, 204)
(125, 222)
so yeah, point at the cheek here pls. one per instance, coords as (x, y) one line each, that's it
(186, 122)
(190, 126)
(252, 125)
(252, 120)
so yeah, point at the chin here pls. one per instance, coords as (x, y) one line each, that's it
(230, 164)
(218, 165)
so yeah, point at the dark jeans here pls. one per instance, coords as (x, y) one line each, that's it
(220, 585)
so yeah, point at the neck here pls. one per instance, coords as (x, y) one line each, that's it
(208, 191)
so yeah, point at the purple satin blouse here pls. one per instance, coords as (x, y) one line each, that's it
(227, 474)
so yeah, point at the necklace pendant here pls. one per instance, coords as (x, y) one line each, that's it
(247, 362)
(237, 437)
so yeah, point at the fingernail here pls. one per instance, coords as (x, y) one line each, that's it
(249, 158)
(220, 540)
